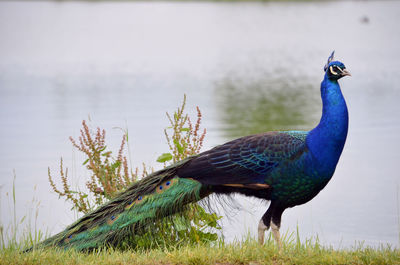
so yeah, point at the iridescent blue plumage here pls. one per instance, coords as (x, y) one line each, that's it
(288, 168)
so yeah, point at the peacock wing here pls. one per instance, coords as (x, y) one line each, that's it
(247, 160)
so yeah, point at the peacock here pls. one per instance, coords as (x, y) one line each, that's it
(287, 168)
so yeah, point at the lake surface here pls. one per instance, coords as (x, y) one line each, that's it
(250, 67)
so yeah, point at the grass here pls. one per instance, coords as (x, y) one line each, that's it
(246, 252)
(21, 232)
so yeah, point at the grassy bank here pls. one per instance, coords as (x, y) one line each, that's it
(247, 252)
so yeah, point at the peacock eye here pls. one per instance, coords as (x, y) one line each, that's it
(68, 238)
(112, 219)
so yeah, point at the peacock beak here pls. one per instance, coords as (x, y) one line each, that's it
(345, 72)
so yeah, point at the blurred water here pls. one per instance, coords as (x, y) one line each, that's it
(250, 67)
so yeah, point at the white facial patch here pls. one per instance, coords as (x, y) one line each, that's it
(333, 72)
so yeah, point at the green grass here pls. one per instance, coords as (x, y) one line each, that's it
(246, 252)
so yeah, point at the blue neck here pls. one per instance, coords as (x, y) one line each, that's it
(326, 141)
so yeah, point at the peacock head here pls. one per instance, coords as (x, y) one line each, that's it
(335, 69)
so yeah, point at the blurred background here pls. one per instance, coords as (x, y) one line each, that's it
(249, 66)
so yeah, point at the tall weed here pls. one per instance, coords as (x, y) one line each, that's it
(111, 174)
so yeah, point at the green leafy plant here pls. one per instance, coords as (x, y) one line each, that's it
(186, 139)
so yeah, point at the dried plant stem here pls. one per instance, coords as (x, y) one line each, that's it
(109, 175)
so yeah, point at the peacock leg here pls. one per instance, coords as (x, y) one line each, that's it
(275, 232)
(263, 225)
(261, 231)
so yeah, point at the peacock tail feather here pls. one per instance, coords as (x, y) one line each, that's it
(137, 211)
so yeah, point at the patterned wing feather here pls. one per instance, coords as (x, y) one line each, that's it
(246, 160)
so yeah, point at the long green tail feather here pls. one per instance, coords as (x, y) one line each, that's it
(132, 212)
